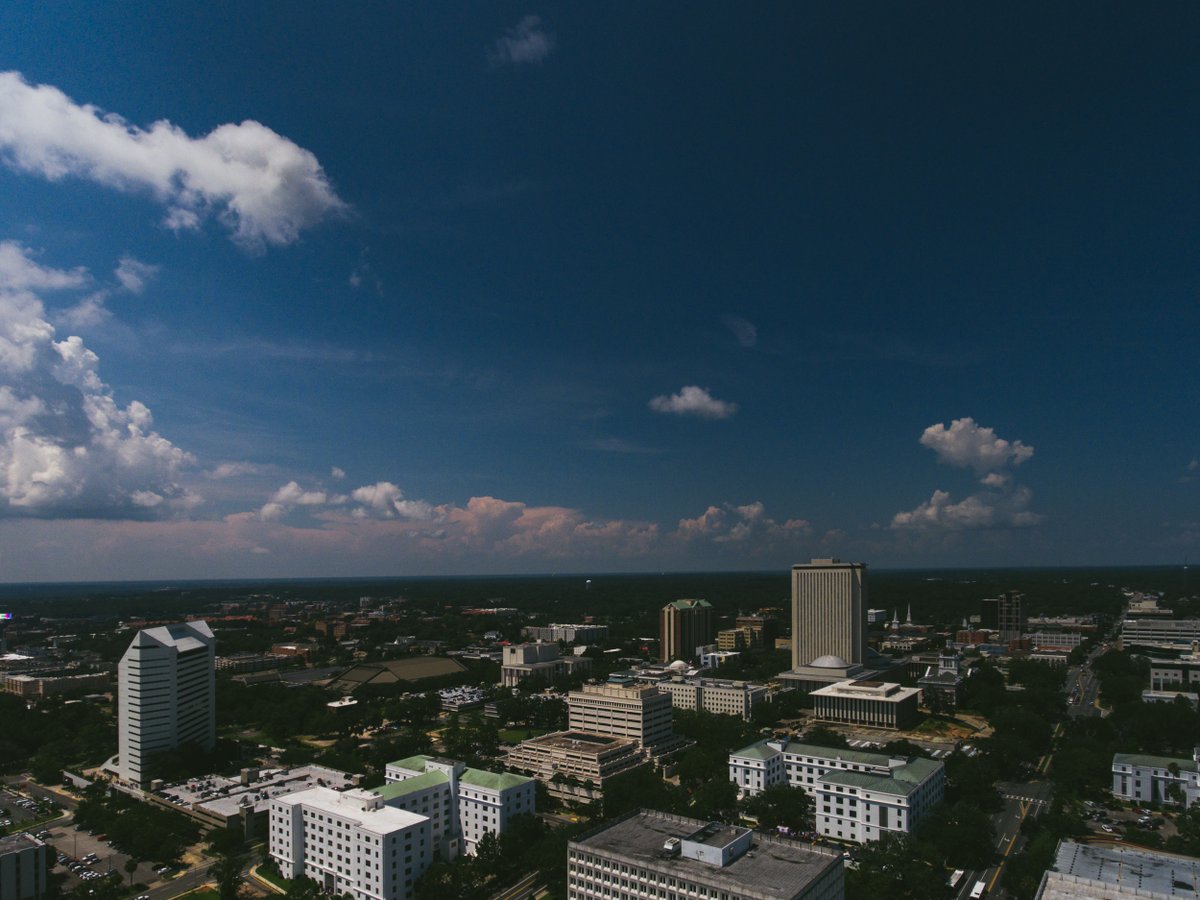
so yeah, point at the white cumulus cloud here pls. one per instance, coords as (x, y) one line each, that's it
(384, 499)
(693, 401)
(970, 446)
(986, 509)
(261, 186)
(67, 448)
(526, 42)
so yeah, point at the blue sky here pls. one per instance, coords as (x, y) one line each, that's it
(340, 289)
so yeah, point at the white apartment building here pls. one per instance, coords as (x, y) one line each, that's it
(1142, 778)
(640, 712)
(166, 690)
(568, 634)
(858, 796)
(350, 843)
(717, 696)
(463, 804)
(648, 855)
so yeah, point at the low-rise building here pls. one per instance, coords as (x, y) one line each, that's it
(867, 702)
(858, 796)
(647, 854)
(1107, 872)
(243, 803)
(1158, 632)
(539, 660)
(24, 864)
(575, 765)
(1170, 697)
(462, 803)
(568, 634)
(37, 687)
(714, 695)
(1181, 673)
(350, 843)
(942, 684)
(1142, 778)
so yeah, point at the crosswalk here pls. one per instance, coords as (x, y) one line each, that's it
(1022, 799)
(936, 754)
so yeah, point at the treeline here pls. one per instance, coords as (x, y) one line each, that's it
(53, 736)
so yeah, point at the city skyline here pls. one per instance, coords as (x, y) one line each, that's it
(532, 290)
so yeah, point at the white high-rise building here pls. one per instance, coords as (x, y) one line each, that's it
(829, 612)
(166, 688)
(350, 842)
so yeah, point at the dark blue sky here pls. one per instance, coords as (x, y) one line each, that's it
(604, 288)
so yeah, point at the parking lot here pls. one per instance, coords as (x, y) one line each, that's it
(77, 845)
(17, 812)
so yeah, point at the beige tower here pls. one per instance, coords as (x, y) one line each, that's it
(829, 612)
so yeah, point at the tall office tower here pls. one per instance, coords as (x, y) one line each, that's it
(989, 614)
(1011, 623)
(166, 695)
(829, 612)
(684, 625)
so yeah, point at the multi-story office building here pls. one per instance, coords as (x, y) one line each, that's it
(858, 796)
(875, 704)
(568, 634)
(640, 712)
(350, 843)
(713, 695)
(1142, 778)
(1182, 673)
(166, 695)
(1166, 633)
(646, 855)
(829, 612)
(462, 803)
(989, 614)
(1011, 621)
(575, 765)
(684, 625)
(24, 864)
(733, 639)
(540, 660)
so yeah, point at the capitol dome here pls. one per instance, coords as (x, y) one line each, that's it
(829, 661)
(679, 666)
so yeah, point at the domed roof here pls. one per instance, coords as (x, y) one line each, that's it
(679, 666)
(829, 661)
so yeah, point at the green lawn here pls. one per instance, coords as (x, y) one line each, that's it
(276, 880)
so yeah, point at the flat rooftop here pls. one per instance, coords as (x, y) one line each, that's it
(1102, 871)
(773, 868)
(574, 740)
(228, 796)
(13, 843)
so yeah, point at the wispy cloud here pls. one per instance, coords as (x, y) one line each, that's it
(693, 400)
(745, 332)
(284, 351)
(133, 274)
(261, 186)
(526, 42)
(618, 445)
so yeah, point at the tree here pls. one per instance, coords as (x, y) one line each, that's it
(227, 872)
(891, 867)
(781, 805)
(131, 867)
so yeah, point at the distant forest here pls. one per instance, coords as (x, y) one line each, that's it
(628, 602)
